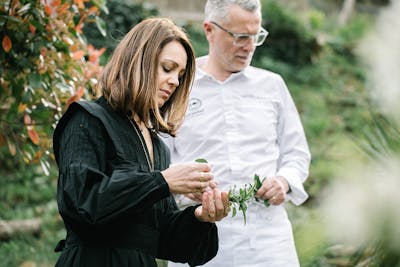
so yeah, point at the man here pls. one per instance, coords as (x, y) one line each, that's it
(243, 121)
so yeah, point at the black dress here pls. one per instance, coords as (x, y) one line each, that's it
(116, 207)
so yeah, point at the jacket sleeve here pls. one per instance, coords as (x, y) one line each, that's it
(185, 239)
(295, 156)
(95, 186)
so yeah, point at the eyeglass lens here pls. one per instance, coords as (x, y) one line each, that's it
(258, 39)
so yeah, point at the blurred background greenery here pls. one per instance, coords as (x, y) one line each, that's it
(52, 50)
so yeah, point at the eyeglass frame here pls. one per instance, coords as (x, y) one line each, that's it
(237, 36)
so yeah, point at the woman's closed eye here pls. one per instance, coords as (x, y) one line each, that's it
(169, 66)
(167, 69)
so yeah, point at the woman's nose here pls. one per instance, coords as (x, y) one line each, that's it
(174, 80)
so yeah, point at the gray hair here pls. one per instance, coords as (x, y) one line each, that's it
(218, 9)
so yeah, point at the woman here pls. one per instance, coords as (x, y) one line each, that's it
(115, 187)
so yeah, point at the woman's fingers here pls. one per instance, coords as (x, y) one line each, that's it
(214, 206)
(195, 196)
(219, 205)
(213, 184)
(226, 203)
(205, 206)
(211, 205)
(188, 177)
(202, 174)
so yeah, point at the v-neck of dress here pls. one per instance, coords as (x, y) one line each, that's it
(139, 133)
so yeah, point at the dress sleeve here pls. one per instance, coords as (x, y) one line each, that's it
(94, 188)
(185, 239)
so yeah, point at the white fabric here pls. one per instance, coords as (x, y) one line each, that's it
(243, 126)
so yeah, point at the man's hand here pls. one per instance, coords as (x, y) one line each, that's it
(274, 189)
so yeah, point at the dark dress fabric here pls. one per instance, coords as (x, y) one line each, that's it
(117, 209)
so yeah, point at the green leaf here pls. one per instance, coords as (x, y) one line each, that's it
(101, 26)
(34, 80)
(233, 211)
(45, 167)
(201, 160)
(38, 25)
(257, 181)
(24, 9)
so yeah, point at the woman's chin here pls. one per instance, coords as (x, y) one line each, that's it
(160, 102)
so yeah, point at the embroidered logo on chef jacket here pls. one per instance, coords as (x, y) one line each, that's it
(195, 107)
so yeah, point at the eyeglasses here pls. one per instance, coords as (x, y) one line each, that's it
(241, 39)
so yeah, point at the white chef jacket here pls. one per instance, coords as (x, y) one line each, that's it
(246, 125)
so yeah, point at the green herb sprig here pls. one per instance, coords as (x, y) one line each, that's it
(239, 198)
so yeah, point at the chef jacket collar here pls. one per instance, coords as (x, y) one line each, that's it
(200, 74)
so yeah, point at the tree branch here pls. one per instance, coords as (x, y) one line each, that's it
(8, 229)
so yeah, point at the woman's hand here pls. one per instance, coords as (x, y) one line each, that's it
(214, 206)
(189, 178)
(198, 196)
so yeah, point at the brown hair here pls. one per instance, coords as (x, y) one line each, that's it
(129, 79)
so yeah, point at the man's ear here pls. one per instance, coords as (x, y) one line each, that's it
(208, 29)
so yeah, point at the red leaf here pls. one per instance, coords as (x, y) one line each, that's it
(56, 3)
(33, 135)
(27, 119)
(93, 9)
(71, 100)
(7, 44)
(63, 8)
(78, 27)
(76, 96)
(94, 54)
(80, 91)
(32, 28)
(48, 10)
(12, 148)
(21, 107)
(78, 54)
(43, 51)
(79, 3)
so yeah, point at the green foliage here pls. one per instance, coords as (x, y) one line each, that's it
(289, 40)
(29, 250)
(119, 19)
(28, 194)
(345, 39)
(198, 39)
(379, 139)
(24, 188)
(36, 250)
(372, 2)
(44, 66)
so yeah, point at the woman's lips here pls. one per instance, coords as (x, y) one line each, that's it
(165, 93)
